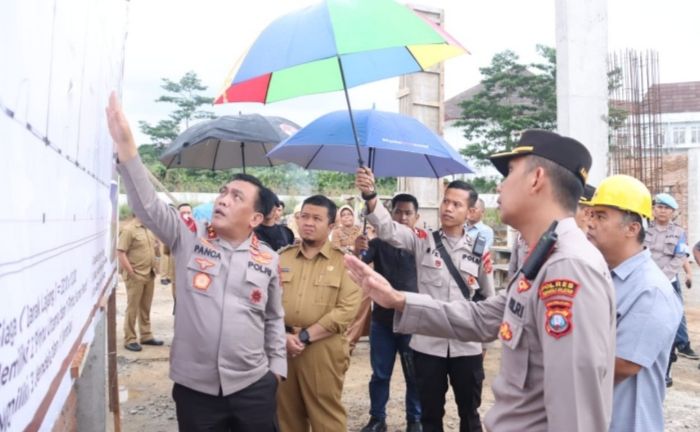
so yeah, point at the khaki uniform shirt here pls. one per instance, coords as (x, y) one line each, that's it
(666, 245)
(229, 321)
(317, 290)
(558, 337)
(435, 279)
(139, 245)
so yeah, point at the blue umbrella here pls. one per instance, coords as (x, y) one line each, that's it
(394, 144)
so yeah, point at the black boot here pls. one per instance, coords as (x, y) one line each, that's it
(375, 425)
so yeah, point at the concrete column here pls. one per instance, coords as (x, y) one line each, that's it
(92, 384)
(582, 83)
(421, 95)
(693, 196)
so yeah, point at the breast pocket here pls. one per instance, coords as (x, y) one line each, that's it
(429, 271)
(326, 290)
(514, 363)
(201, 274)
(470, 271)
(670, 244)
(256, 289)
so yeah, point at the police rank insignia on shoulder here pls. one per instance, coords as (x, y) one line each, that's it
(260, 257)
(558, 318)
(558, 287)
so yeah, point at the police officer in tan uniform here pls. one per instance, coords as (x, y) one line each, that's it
(228, 349)
(557, 328)
(320, 300)
(137, 250)
(439, 358)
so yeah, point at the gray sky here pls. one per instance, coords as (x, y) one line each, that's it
(169, 38)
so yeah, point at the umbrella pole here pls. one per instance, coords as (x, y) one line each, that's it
(352, 119)
(372, 157)
(243, 155)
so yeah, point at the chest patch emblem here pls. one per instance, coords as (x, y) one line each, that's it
(201, 281)
(256, 296)
(523, 284)
(504, 332)
(204, 263)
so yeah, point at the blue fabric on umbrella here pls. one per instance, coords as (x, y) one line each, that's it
(395, 144)
(203, 212)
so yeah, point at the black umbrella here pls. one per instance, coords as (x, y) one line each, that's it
(229, 142)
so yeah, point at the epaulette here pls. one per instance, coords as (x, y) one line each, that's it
(289, 246)
(421, 234)
(343, 251)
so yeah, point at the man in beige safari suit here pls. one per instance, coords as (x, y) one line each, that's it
(137, 249)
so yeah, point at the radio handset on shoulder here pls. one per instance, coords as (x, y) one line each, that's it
(538, 256)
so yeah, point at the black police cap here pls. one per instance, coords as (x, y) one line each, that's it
(588, 192)
(561, 150)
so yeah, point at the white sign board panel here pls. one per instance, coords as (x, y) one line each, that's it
(57, 218)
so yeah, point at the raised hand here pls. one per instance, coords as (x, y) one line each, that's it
(119, 130)
(364, 180)
(373, 284)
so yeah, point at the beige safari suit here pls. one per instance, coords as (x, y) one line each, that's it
(139, 244)
(229, 321)
(663, 243)
(316, 290)
(556, 375)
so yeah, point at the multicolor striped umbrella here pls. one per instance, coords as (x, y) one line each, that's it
(335, 45)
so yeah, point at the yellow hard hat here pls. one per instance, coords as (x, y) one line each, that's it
(625, 193)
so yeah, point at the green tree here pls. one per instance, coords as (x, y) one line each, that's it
(186, 95)
(513, 97)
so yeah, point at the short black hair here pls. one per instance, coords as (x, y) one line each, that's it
(565, 184)
(460, 184)
(404, 197)
(628, 218)
(265, 199)
(181, 205)
(323, 201)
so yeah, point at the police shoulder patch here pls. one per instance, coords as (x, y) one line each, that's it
(558, 318)
(558, 287)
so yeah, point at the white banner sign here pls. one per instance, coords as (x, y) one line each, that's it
(57, 214)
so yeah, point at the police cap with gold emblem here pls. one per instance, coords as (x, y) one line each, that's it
(561, 150)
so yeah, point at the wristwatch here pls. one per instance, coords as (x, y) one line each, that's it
(304, 337)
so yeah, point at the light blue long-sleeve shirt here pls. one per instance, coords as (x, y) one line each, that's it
(648, 315)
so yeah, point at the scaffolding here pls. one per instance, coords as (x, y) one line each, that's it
(636, 133)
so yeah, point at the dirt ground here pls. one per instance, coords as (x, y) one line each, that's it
(145, 388)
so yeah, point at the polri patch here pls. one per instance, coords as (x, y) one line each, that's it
(558, 287)
(558, 317)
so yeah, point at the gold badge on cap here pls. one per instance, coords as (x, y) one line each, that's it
(584, 173)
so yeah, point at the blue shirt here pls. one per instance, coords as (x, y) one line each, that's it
(484, 230)
(648, 315)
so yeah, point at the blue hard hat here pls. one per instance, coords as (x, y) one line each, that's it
(667, 200)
